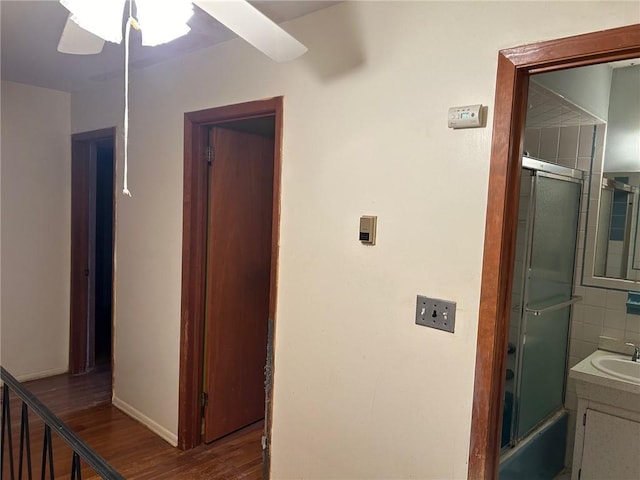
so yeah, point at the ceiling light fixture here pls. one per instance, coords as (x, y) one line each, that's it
(160, 21)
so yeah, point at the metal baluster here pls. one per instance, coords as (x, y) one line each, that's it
(44, 453)
(4, 390)
(81, 451)
(51, 455)
(47, 447)
(24, 436)
(6, 427)
(75, 467)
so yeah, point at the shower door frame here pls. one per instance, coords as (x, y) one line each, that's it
(557, 172)
(514, 67)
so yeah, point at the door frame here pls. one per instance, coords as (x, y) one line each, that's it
(514, 67)
(83, 146)
(194, 250)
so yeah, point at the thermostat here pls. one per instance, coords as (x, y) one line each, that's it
(469, 116)
(368, 229)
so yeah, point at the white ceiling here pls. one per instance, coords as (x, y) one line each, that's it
(30, 31)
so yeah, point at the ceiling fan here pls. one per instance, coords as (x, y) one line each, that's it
(92, 22)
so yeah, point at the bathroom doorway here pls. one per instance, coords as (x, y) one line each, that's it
(515, 65)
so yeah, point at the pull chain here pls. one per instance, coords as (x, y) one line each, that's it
(130, 22)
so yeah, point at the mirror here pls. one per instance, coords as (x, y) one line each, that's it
(588, 118)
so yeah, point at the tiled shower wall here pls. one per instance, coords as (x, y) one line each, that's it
(601, 311)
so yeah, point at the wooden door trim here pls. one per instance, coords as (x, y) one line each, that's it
(514, 67)
(194, 238)
(80, 151)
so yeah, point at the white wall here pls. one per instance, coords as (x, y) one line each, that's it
(360, 391)
(36, 203)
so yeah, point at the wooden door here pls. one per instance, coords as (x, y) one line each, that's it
(238, 276)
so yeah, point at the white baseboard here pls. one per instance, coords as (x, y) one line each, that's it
(27, 377)
(156, 428)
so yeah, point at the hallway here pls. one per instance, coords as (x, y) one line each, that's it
(83, 403)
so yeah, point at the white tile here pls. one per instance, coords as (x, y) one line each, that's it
(586, 348)
(613, 333)
(573, 348)
(600, 134)
(614, 265)
(549, 144)
(632, 337)
(584, 164)
(593, 315)
(571, 385)
(568, 162)
(578, 271)
(595, 296)
(532, 141)
(615, 319)
(591, 333)
(568, 144)
(632, 323)
(617, 299)
(577, 330)
(616, 247)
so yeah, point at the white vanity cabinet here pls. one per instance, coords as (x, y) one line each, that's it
(607, 439)
(610, 448)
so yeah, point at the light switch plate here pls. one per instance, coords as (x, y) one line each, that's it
(436, 313)
(367, 233)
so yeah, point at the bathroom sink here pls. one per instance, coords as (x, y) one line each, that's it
(618, 367)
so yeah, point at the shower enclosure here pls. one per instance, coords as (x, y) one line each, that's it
(534, 423)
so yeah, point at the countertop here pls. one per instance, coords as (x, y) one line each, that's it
(586, 372)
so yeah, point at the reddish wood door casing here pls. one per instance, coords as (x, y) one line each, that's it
(238, 279)
(195, 205)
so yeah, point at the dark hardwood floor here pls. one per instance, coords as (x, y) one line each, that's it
(83, 403)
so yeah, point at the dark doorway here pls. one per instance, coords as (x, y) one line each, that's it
(104, 251)
(92, 240)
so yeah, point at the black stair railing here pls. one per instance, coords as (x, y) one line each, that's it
(81, 451)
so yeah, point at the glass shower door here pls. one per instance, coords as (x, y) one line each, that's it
(547, 299)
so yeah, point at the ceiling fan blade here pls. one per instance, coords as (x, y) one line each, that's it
(256, 28)
(77, 41)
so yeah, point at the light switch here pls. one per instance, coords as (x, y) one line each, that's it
(436, 313)
(368, 229)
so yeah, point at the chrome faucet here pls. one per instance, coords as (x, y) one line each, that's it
(636, 352)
